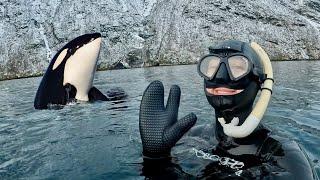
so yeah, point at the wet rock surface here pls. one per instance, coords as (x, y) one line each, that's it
(152, 32)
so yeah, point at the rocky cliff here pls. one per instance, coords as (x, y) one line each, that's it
(152, 32)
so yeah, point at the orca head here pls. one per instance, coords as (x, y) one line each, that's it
(75, 65)
(80, 61)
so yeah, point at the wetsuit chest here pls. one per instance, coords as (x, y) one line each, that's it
(256, 153)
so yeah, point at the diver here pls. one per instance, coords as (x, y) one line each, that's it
(233, 73)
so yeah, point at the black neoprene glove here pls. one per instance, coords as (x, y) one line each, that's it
(159, 128)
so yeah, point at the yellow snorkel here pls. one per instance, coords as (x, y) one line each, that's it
(252, 121)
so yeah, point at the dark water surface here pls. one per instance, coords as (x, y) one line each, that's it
(101, 140)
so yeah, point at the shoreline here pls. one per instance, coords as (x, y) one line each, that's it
(148, 66)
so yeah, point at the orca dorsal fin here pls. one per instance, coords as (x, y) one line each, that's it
(112, 94)
(95, 95)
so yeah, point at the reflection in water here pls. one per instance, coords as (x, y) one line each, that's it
(101, 140)
(119, 108)
(118, 102)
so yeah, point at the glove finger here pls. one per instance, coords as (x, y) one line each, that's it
(152, 99)
(177, 130)
(173, 103)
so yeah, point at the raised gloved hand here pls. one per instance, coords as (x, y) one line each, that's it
(159, 128)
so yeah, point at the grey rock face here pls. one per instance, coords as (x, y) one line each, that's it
(152, 32)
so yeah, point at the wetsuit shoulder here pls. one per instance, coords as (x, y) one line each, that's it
(294, 160)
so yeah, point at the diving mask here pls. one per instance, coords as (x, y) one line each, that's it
(237, 66)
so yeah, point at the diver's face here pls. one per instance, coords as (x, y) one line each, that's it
(222, 84)
(239, 65)
(227, 81)
(222, 88)
(223, 98)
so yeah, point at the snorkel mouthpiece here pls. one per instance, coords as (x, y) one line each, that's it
(252, 121)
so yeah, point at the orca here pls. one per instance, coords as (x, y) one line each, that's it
(70, 74)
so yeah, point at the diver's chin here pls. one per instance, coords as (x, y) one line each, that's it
(223, 91)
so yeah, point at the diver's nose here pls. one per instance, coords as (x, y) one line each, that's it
(222, 73)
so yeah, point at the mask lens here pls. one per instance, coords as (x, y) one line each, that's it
(209, 66)
(239, 66)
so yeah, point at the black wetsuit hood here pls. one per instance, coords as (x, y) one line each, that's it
(239, 105)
